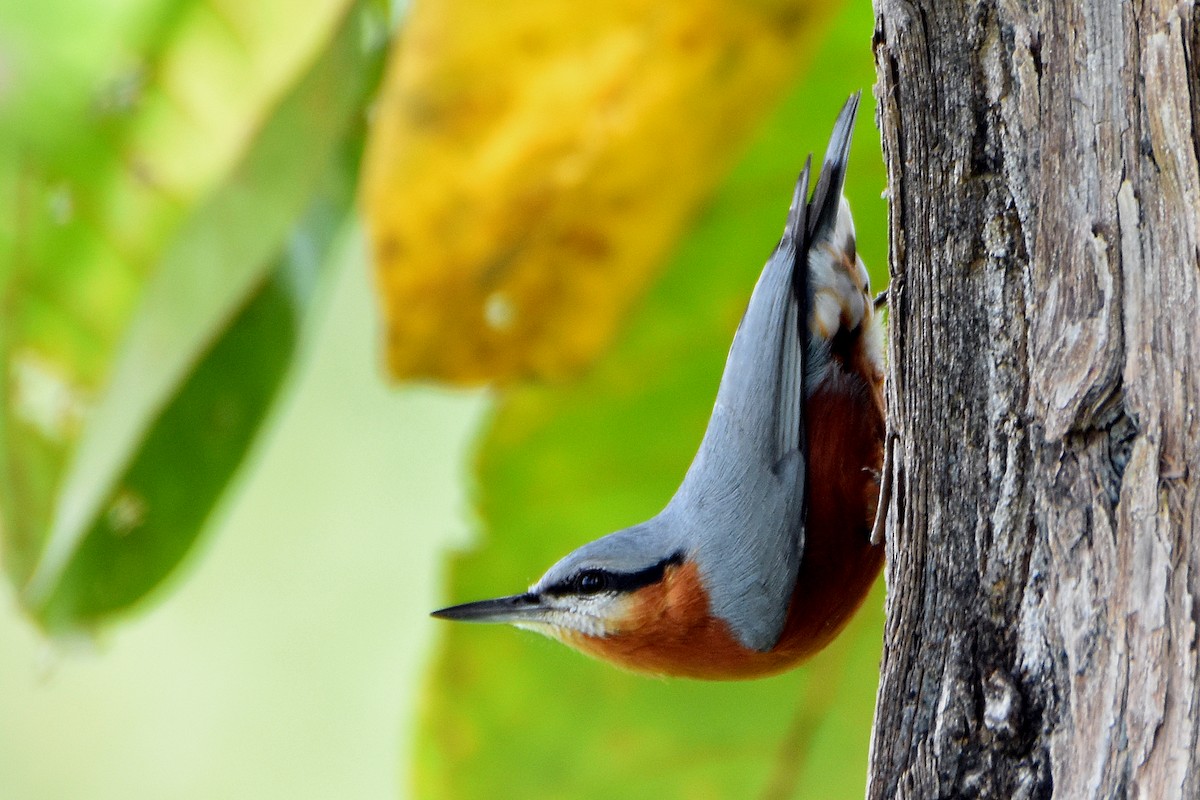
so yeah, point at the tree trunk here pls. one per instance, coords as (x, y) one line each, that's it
(1044, 534)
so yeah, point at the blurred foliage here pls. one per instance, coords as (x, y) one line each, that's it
(562, 464)
(169, 217)
(533, 160)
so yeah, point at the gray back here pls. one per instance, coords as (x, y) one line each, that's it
(742, 504)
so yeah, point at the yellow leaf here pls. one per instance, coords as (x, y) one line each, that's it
(532, 161)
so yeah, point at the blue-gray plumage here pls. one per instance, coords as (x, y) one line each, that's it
(716, 571)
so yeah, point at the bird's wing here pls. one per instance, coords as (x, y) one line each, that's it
(743, 500)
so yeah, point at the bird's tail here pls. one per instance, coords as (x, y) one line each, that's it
(796, 230)
(816, 220)
(827, 197)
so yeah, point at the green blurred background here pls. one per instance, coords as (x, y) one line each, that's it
(222, 526)
(285, 659)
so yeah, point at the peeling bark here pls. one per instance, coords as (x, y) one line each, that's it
(1044, 525)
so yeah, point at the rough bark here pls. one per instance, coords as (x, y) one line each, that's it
(1044, 534)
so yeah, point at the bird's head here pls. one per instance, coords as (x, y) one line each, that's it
(627, 598)
(594, 591)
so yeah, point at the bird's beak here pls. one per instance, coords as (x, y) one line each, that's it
(518, 608)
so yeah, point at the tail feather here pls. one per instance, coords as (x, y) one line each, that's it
(811, 220)
(797, 228)
(827, 197)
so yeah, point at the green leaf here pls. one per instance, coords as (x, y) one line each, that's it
(103, 155)
(192, 452)
(510, 712)
(151, 519)
(207, 349)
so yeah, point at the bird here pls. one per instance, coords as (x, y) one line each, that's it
(765, 551)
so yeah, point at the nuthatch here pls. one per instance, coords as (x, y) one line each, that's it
(764, 552)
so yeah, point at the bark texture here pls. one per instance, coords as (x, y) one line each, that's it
(1044, 534)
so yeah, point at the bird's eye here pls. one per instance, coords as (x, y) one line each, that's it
(592, 581)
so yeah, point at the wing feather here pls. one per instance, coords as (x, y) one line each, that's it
(742, 502)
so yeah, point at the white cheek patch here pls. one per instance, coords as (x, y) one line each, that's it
(544, 628)
(592, 617)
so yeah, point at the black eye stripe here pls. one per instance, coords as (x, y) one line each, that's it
(614, 581)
